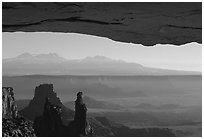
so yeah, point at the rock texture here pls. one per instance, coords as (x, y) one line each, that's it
(13, 124)
(139, 23)
(18, 127)
(9, 108)
(50, 123)
(36, 105)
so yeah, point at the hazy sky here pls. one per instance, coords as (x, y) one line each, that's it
(77, 46)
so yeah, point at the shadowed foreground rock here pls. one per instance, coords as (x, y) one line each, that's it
(36, 105)
(80, 115)
(80, 123)
(9, 109)
(18, 127)
(13, 124)
(50, 123)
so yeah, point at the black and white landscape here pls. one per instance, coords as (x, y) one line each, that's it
(137, 97)
(52, 64)
(68, 85)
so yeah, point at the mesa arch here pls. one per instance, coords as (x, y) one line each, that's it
(140, 23)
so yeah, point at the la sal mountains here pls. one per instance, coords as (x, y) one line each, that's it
(52, 64)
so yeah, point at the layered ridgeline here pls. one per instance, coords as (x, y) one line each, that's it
(93, 103)
(52, 64)
(49, 117)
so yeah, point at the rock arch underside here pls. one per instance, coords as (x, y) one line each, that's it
(140, 23)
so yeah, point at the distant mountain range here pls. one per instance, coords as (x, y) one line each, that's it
(52, 64)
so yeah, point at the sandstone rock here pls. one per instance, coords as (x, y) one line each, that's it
(146, 23)
(82, 126)
(36, 105)
(13, 124)
(9, 108)
(50, 123)
(18, 127)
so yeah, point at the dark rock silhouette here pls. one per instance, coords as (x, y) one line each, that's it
(13, 124)
(81, 124)
(50, 123)
(36, 105)
(80, 115)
